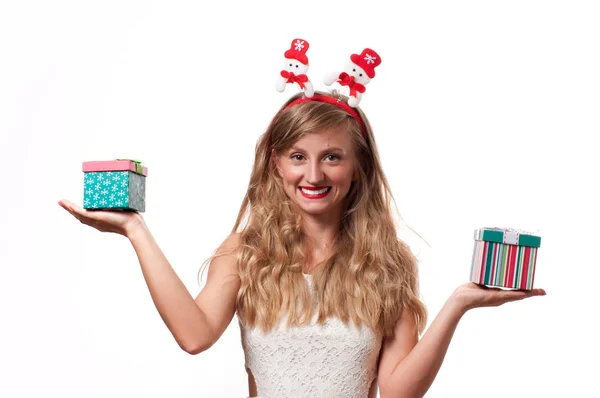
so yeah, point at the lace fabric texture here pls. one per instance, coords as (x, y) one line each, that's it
(333, 360)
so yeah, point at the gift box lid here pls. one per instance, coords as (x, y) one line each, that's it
(509, 236)
(115, 165)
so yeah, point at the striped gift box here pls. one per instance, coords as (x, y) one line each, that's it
(504, 257)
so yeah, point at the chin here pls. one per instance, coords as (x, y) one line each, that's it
(317, 210)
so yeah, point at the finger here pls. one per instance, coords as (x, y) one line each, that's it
(531, 292)
(72, 206)
(66, 204)
(79, 212)
(82, 216)
(70, 209)
(67, 208)
(515, 294)
(536, 292)
(522, 294)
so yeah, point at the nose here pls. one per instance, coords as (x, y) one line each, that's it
(315, 173)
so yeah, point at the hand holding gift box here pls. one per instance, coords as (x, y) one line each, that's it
(119, 222)
(111, 185)
(470, 295)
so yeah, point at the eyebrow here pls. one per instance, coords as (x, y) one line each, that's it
(330, 149)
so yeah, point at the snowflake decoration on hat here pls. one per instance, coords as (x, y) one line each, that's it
(370, 59)
(295, 68)
(298, 45)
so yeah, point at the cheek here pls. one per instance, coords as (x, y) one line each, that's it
(342, 177)
(290, 176)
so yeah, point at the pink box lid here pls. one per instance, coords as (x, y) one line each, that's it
(115, 165)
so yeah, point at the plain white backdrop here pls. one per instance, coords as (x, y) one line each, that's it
(485, 114)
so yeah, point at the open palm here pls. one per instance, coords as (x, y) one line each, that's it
(120, 222)
(474, 296)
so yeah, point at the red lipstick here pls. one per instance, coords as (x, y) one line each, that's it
(315, 196)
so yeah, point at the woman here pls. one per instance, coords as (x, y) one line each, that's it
(326, 294)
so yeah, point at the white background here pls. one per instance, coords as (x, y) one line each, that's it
(485, 113)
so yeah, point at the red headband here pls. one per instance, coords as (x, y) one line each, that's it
(337, 102)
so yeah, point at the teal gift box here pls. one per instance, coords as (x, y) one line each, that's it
(114, 184)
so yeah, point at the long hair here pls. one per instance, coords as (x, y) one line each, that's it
(370, 276)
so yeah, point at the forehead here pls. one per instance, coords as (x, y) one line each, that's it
(338, 137)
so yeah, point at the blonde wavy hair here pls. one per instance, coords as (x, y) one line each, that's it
(371, 275)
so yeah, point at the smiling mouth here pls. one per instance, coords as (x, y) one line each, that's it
(315, 191)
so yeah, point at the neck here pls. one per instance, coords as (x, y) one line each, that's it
(320, 233)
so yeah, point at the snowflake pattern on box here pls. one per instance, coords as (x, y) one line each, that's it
(114, 190)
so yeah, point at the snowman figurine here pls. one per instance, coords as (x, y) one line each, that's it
(358, 72)
(295, 68)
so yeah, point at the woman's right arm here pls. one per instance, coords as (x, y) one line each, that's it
(195, 324)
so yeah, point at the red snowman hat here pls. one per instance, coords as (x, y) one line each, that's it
(298, 51)
(367, 60)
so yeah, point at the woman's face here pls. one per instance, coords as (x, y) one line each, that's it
(318, 170)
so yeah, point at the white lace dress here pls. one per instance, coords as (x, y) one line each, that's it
(329, 361)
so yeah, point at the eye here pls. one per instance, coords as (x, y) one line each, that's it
(290, 64)
(296, 156)
(296, 65)
(332, 157)
(360, 74)
(353, 69)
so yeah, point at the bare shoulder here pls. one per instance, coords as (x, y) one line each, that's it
(232, 242)
(224, 263)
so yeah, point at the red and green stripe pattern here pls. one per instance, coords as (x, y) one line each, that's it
(504, 265)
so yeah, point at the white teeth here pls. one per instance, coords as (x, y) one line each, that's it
(312, 192)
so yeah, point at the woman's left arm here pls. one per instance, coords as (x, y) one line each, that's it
(407, 366)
